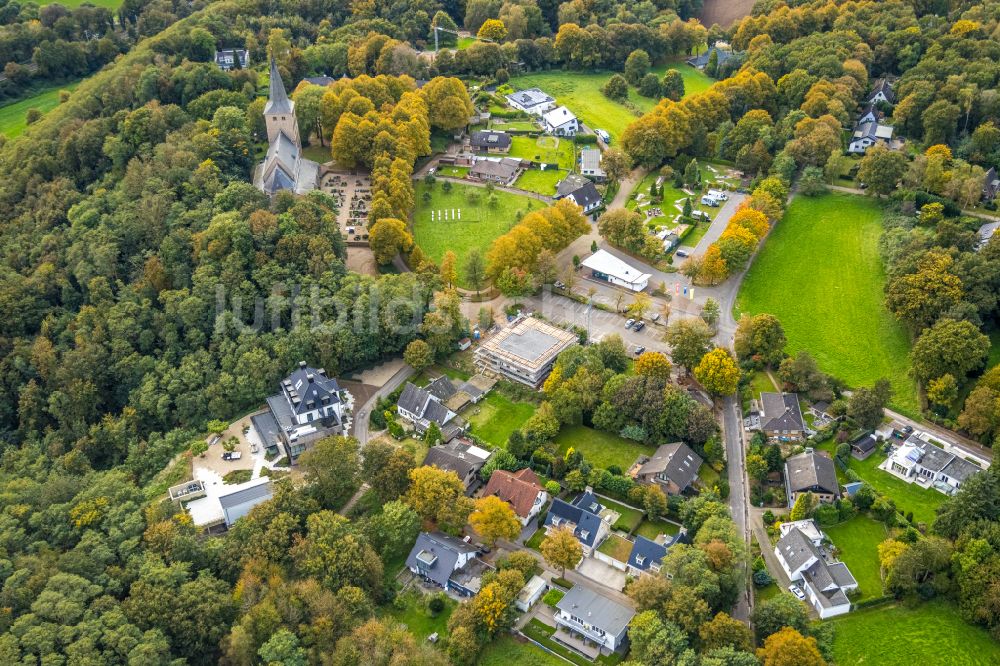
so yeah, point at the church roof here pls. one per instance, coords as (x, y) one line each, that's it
(278, 101)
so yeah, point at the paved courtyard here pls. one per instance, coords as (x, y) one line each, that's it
(602, 573)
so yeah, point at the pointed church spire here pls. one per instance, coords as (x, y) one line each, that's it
(278, 101)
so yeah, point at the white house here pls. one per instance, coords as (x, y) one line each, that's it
(867, 135)
(807, 527)
(920, 461)
(561, 122)
(605, 266)
(213, 511)
(881, 92)
(585, 615)
(580, 191)
(825, 583)
(532, 101)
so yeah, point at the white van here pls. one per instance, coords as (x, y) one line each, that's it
(718, 194)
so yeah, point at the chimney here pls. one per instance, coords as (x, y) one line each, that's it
(302, 364)
(311, 377)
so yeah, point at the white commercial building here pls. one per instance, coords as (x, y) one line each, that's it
(605, 266)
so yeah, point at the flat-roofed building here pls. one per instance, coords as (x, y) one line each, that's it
(605, 266)
(525, 350)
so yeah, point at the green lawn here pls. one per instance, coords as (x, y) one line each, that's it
(514, 125)
(542, 633)
(760, 382)
(543, 182)
(764, 593)
(601, 449)
(857, 541)
(536, 539)
(453, 171)
(416, 617)
(628, 518)
(616, 547)
(496, 416)
(819, 272)
(507, 650)
(994, 357)
(12, 116)
(548, 149)
(695, 81)
(317, 153)
(73, 4)
(654, 528)
(480, 223)
(465, 42)
(929, 633)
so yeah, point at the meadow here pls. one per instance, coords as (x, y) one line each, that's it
(601, 449)
(857, 540)
(820, 274)
(479, 225)
(12, 116)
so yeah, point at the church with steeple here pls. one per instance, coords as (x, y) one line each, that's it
(284, 167)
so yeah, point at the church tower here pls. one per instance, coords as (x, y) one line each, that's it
(279, 113)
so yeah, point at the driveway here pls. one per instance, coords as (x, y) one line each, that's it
(601, 573)
(361, 413)
(720, 222)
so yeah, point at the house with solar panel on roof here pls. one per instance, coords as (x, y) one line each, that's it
(919, 460)
(284, 167)
(309, 407)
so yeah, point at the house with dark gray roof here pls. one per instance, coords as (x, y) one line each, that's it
(867, 134)
(586, 615)
(244, 497)
(700, 61)
(502, 171)
(447, 562)
(462, 457)
(490, 141)
(227, 59)
(870, 114)
(825, 582)
(921, 461)
(421, 407)
(582, 517)
(580, 191)
(309, 406)
(217, 512)
(881, 92)
(781, 416)
(811, 472)
(864, 446)
(647, 555)
(321, 81)
(673, 467)
(991, 184)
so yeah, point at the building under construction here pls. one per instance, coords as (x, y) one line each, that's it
(525, 350)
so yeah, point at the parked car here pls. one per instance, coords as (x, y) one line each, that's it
(681, 253)
(797, 591)
(718, 194)
(639, 325)
(700, 215)
(558, 284)
(604, 136)
(628, 323)
(639, 350)
(231, 455)
(655, 317)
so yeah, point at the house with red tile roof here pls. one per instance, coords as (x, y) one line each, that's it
(521, 489)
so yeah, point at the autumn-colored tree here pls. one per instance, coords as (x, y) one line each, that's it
(560, 548)
(881, 169)
(724, 631)
(653, 364)
(760, 336)
(494, 519)
(418, 355)
(718, 372)
(448, 102)
(712, 269)
(943, 390)
(615, 163)
(514, 282)
(757, 467)
(438, 496)
(689, 340)
(888, 551)
(803, 507)
(388, 238)
(790, 648)
(919, 297)
(449, 271)
(493, 30)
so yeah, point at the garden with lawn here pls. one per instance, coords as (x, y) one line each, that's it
(507, 650)
(651, 529)
(628, 518)
(900, 636)
(547, 149)
(541, 632)
(820, 274)
(542, 182)
(496, 416)
(695, 80)
(415, 610)
(477, 226)
(13, 117)
(857, 543)
(602, 449)
(616, 547)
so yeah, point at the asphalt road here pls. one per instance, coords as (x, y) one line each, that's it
(732, 426)
(362, 413)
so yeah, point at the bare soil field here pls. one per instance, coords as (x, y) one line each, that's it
(725, 12)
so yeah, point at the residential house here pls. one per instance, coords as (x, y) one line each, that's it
(585, 615)
(501, 171)
(219, 512)
(781, 416)
(590, 164)
(462, 457)
(673, 468)
(864, 446)
(646, 556)
(524, 351)
(607, 267)
(825, 583)
(580, 190)
(869, 114)
(530, 593)
(560, 122)
(532, 101)
(447, 562)
(700, 61)
(991, 184)
(309, 406)
(867, 135)
(920, 461)
(284, 167)
(583, 517)
(811, 472)
(490, 141)
(881, 92)
(807, 527)
(322, 81)
(422, 406)
(227, 59)
(985, 233)
(521, 489)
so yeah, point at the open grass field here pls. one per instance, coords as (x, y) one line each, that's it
(695, 81)
(73, 4)
(507, 650)
(601, 449)
(480, 223)
(858, 540)
(929, 633)
(12, 116)
(496, 416)
(543, 182)
(819, 272)
(547, 149)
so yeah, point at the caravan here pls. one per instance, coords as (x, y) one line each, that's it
(709, 200)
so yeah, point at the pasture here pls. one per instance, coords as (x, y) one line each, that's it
(13, 116)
